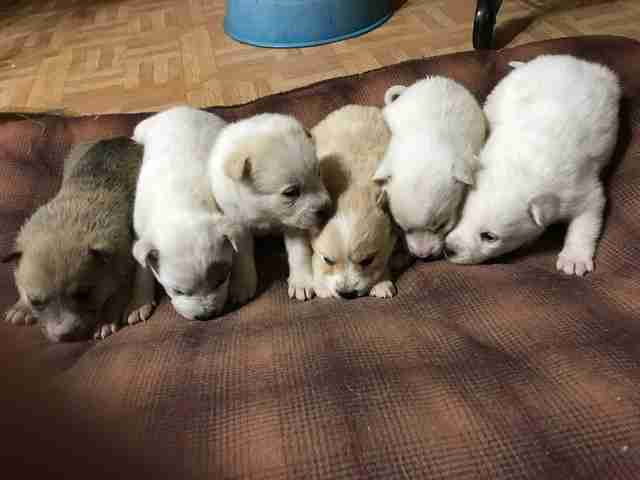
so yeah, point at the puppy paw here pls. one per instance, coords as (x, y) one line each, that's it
(574, 261)
(384, 289)
(301, 287)
(141, 314)
(19, 314)
(142, 303)
(104, 330)
(242, 289)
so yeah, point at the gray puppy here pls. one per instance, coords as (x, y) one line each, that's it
(75, 273)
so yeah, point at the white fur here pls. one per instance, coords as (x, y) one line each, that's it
(437, 129)
(554, 123)
(175, 216)
(253, 163)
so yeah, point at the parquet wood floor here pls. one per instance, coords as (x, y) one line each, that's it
(101, 56)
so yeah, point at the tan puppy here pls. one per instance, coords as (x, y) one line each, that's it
(351, 253)
(75, 271)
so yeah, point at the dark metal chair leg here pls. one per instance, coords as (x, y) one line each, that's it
(484, 24)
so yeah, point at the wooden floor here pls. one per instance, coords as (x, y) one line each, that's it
(99, 56)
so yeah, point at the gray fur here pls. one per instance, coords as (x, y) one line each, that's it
(81, 239)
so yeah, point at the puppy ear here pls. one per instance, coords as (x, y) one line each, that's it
(233, 241)
(145, 254)
(235, 235)
(13, 256)
(543, 209)
(393, 93)
(464, 168)
(463, 173)
(238, 166)
(382, 175)
(309, 135)
(141, 131)
(382, 199)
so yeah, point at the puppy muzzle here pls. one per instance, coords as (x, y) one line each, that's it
(426, 248)
(203, 307)
(65, 328)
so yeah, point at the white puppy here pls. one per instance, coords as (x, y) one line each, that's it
(437, 129)
(182, 237)
(265, 176)
(352, 251)
(554, 123)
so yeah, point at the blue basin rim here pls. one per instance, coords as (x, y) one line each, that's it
(302, 23)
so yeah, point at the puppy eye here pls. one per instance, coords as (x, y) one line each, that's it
(328, 261)
(217, 284)
(367, 261)
(82, 294)
(437, 227)
(488, 237)
(38, 303)
(181, 293)
(292, 192)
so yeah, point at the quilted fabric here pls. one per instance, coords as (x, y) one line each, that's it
(507, 370)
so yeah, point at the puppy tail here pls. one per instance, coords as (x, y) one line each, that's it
(393, 93)
(516, 64)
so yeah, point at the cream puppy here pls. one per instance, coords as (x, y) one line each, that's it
(265, 176)
(437, 129)
(352, 251)
(554, 123)
(182, 237)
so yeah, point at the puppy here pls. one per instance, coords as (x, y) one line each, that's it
(75, 273)
(265, 176)
(437, 129)
(554, 123)
(352, 251)
(181, 235)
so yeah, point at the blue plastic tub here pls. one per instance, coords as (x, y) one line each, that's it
(302, 23)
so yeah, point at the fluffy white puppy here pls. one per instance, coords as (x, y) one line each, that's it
(437, 129)
(554, 123)
(265, 176)
(181, 236)
(352, 251)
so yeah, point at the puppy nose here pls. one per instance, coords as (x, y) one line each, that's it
(430, 253)
(203, 317)
(348, 294)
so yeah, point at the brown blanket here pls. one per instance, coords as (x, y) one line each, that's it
(505, 370)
